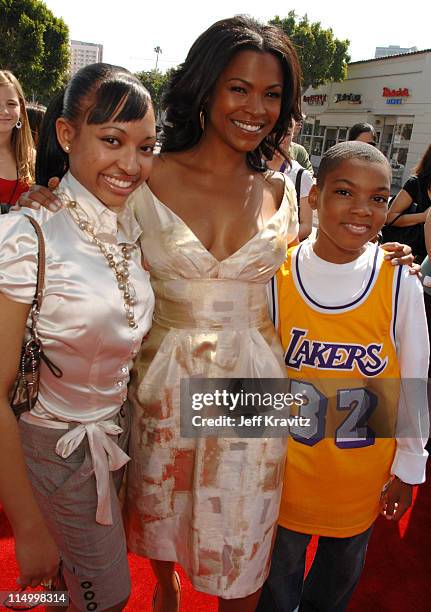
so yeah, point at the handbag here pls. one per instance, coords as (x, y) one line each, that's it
(26, 387)
(413, 235)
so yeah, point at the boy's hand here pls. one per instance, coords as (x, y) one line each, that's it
(397, 499)
(39, 196)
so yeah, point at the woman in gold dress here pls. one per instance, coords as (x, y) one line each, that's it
(216, 226)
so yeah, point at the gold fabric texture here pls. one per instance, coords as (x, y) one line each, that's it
(210, 504)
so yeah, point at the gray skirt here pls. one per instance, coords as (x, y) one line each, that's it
(94, 556)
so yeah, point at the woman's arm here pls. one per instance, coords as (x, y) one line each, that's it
(35, 550)
(401, 203)
(305, 219)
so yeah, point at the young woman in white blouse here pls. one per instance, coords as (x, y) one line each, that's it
(97, 306)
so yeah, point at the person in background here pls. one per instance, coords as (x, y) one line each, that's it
(300, 177)
(16, 143)
(424, 170)
(296, 150)
(364, 132)
(416, 190)
(35, 113)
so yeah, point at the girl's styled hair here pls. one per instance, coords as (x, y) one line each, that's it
(193, 82)
(21, 139)
(95, 94)
(361, 128)
(423, 168)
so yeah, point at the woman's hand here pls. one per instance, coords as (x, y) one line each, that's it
(37, 556)
(39, 196)
(400, 255)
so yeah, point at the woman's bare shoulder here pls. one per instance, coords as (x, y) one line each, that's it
(276, 183)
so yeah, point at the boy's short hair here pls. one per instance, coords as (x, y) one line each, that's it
(352, 149)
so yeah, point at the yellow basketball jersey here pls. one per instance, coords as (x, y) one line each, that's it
(343, 359)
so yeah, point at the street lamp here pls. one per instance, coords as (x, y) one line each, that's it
(157, 50)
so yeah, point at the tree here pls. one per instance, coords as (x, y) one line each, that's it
(156, 83)
(34, 46)
(322, 57)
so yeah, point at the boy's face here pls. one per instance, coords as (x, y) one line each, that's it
(352, 206)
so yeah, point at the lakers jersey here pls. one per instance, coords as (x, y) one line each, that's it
(343, 361)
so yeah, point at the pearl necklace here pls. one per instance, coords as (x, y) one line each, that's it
(119, 268)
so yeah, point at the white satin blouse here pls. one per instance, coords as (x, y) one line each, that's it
(82, 324)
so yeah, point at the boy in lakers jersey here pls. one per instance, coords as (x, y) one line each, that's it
(352, 326)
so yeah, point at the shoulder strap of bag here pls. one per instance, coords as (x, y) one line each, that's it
(38, 295)
(40, 281)
(298, 185)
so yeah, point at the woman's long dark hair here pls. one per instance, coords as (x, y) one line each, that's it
(423, 168)
(97, 93)
(193, 82)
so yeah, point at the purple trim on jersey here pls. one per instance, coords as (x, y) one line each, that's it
(361, 297)
(273, 305)
(397, 294)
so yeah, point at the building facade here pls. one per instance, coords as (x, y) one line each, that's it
(84, 53)
(393, 50)
(392, 93)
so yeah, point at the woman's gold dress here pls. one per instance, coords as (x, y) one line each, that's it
(210, 504)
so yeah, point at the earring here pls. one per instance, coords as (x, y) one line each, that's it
(202, 119)
(66, 148)
(18, 124)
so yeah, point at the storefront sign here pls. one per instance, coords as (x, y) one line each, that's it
(315, 100)
(348, 97)
(395, 93)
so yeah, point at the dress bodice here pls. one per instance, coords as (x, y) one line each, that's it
(174, 251)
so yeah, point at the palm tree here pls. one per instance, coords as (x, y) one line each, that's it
(157, 50)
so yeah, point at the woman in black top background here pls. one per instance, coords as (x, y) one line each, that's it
(416, 191)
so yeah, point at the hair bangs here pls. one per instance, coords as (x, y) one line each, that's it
(118, 101)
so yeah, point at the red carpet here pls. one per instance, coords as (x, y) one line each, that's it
(397, 575)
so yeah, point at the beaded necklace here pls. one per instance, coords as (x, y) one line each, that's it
(119, 268)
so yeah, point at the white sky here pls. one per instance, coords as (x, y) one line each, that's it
(130, 29)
